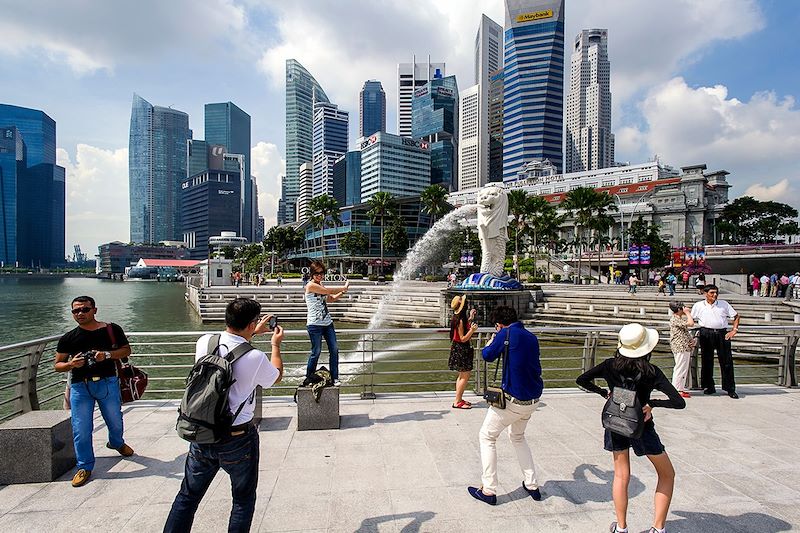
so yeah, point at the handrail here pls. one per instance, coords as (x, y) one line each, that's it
(379, 359)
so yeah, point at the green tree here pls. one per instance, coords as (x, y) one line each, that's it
(381, 206)
(581, 204)
(281, 240)
(354, 242)
(540, 214)
(518, 209)
(396, 236)
(434, 202)
(324, 212)
(642, 232)
(600, 224)
(747, 220)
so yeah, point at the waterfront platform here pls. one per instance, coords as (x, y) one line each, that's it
(402, 463)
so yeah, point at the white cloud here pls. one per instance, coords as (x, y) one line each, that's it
(779, 192)
(267, 167)
(758, 141)
(90, 36)
(97, 196)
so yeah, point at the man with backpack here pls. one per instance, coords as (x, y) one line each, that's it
(216, 414)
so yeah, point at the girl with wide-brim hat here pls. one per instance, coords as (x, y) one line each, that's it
(462, 354)
(631, 365)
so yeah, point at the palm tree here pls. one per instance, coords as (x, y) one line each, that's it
(545, 222)
(580, 203)
(536, 208)
(382, 204)
(434, 202)
(601, 222)
(324, 212)
(517, 208)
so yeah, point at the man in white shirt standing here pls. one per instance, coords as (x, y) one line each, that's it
(712, 315)
(238, 453)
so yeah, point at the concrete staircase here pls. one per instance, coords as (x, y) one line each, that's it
(415, 305)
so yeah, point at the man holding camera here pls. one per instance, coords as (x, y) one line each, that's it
(237, 453)
(88, 353)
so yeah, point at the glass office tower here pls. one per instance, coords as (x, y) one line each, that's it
(533, 91)
(32, 190)
(302, 91)
(372, 107)
(329, 144)
(227, 125)
(156, 168)
(434, 112)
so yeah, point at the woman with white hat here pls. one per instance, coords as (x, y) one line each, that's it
(462, 354)
(632, 363)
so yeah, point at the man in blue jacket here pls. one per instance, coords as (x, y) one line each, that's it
(522, 384)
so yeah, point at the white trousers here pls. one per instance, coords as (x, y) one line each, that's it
(681, 370)
(514, 417)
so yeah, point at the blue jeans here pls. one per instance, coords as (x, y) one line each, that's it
(671, 287)
(316, 333)
(82, 396)
(238, 456)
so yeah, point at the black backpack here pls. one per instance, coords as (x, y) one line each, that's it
(205, 416)
(623, 413)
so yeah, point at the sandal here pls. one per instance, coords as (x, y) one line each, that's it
(462, 405)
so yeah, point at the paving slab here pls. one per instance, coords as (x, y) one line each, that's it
(402, 462)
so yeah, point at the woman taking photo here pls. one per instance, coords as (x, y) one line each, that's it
(632, 365)
(462, 354)
(319, 322)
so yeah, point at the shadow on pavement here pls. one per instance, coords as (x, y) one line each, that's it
(581, 489)
(713, 523)
(370, 525)
(363, 420)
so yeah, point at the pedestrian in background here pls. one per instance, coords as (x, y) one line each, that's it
(681, 343)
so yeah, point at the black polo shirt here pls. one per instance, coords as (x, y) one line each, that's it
(83, 340)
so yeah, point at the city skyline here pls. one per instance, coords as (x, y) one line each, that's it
(682, 99)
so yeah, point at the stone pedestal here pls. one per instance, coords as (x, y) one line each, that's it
(36, 447)
(313, 415)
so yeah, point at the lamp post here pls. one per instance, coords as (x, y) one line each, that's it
(622, 216)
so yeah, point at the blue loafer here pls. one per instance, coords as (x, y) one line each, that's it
(478, 494)
(534, 493)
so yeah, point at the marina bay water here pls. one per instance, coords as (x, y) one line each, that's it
(35, 307)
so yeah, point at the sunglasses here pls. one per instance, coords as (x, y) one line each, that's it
(81, 310)
(318, 273)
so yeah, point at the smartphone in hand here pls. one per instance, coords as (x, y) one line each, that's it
(273, 322)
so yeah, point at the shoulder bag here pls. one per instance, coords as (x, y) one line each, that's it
(494, 394)
(132, 380)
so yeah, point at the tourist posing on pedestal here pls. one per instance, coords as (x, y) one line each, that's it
(681, 343)
(87, 352)
(462, 354)
(632, 366)
(522, 386)
(319, 322)
(712, 315)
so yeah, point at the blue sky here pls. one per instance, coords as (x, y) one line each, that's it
(710, 82)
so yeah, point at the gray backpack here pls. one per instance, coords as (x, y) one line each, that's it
(205, 416)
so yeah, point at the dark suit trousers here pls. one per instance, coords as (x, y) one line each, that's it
(711, 340)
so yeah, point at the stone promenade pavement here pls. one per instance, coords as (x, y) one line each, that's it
(402, 464)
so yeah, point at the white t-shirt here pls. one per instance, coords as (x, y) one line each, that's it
(249, 371)
(713, 316)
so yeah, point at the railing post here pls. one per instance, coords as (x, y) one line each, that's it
(788, 375)
(479, 365)
(28, 398)
(589, 354)
(369, 394)
(694, 367)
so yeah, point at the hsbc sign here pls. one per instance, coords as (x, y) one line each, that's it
(417, 144)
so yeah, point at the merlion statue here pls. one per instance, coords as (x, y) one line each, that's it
(492, 228)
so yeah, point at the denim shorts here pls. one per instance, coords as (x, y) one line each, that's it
(647, 444)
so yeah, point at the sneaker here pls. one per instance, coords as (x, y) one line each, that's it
(124, 450)
(337, 383)
(685, 394)
(478, 494)
(534, 493)
(613, 528)
(81, 477)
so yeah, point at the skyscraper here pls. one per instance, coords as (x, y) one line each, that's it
(590, 143)
(302, 91)
(488, 59)
(306, 176)
(227, 125)
(156, 168)
(469, 156)
(495, 120)
(435, 119)
(372, 108)
(330, 143)
(533, 92)
(394, 164)
(411, 76)
(32, 189)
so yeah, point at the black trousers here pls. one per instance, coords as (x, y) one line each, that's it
(710, 340)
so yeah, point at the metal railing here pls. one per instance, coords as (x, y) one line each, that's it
(374, 361)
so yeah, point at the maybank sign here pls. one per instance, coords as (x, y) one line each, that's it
(536, 15)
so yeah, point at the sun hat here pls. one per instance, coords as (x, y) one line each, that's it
(636, 340)
(457, 303)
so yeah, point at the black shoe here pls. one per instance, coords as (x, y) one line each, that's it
(478, 494)
(733, 395)
(534, 493)
(709, 391)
